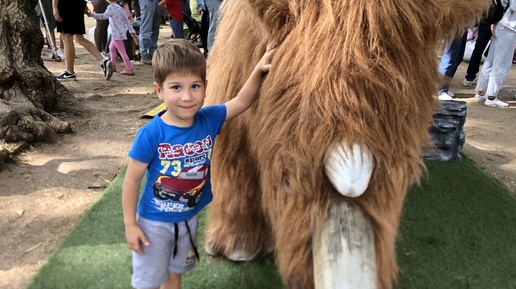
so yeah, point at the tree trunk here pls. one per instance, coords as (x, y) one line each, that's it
(30, 96)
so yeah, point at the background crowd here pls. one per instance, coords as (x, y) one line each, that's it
(494, 38)
(132, 37)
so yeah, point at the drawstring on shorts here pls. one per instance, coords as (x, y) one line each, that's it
(176, 236)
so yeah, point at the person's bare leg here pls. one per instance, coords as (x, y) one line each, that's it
(79, 38)
(173, 281)
(69, 51)
(51, 36)
(61, 43)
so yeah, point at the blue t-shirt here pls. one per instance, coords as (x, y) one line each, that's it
(177, 182)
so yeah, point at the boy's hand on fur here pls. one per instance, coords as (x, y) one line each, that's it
(265, 62)
(135, 237)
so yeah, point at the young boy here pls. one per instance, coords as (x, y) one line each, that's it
(173, 151)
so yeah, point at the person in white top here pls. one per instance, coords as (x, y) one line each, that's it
(119, 26)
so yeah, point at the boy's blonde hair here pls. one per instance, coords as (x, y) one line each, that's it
(178, 56)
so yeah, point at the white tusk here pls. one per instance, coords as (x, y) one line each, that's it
(349, 169)
(343, 250)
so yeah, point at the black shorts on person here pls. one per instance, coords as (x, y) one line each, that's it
(72, 12)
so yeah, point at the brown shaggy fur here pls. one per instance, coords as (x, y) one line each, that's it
(359, 71)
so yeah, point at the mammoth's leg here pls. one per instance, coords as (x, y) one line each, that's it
(237, 226)
(294, 220)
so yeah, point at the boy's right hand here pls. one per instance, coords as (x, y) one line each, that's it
(135, 237)
(264, 65)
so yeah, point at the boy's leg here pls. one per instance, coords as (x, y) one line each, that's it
(150, 269)
(173, 281)
(171, 249)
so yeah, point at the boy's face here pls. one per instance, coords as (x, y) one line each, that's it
(183, 95)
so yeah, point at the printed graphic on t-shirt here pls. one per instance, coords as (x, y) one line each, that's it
(169, 152)
(181, 193)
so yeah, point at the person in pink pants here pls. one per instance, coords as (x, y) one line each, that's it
(119, 25)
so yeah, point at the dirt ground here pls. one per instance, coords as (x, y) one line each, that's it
(47, 187)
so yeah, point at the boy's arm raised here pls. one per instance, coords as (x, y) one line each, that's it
(247, 95)
(130, 193)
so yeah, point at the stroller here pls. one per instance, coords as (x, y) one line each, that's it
(54, 53)
(197, 31)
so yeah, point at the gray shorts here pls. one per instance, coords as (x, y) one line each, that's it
(151, 269)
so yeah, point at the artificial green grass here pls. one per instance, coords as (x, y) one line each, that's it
(458, 230)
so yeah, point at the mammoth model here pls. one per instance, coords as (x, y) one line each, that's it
(341, 118)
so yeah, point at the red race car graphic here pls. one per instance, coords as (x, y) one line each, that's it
(187, 187)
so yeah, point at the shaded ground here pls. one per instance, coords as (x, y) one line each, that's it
(49, 186)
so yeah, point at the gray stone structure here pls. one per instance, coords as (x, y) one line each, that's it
(447, 132)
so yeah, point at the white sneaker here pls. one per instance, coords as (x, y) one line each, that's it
(470, 83)
(60, 53)
(480, 98)
(445, 96)
(496, 103)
